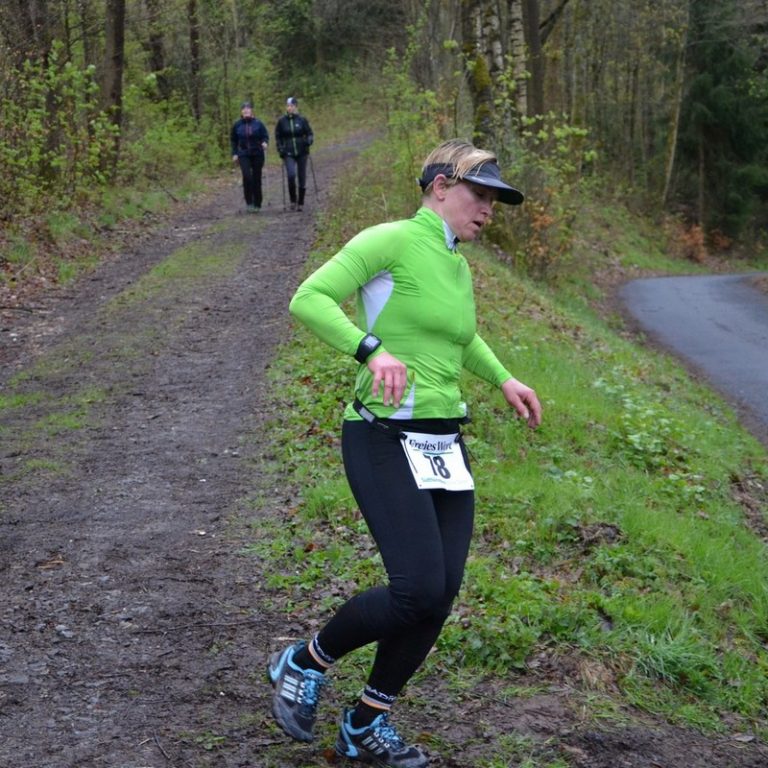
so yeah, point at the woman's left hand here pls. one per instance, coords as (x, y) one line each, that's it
(523, 399)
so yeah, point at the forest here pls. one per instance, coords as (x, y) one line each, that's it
(663, 105)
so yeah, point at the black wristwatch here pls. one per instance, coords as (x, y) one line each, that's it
(366, 347)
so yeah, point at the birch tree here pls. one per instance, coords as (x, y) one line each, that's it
(517, 53)
(474, 50)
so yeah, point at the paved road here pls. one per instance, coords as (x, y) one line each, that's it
(716, 324)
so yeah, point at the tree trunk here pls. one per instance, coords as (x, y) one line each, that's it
(669, 165)
(550, 22)
(86, 31)
(194, 57)
(531, 18)
(478, 76)
(66, 31)
(114, 63)
(571, 74)
(494, 51)
(156, 47)
(517, 52)
(633, 107)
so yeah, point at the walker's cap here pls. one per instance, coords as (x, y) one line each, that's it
(486, 174)
(291, 101)
(246, 105)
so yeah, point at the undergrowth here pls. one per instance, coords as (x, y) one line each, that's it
(50, 237)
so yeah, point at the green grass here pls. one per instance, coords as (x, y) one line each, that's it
(187, 266)
(143, 317)
(614, 534)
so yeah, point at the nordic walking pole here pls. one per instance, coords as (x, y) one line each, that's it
(283, 172)
(264, 177)
(312, 168)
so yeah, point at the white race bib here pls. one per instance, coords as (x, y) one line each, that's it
(436, 461)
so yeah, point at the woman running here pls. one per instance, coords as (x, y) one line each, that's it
(401, 441)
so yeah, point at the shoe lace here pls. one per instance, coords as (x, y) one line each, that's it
(311, 685)
(387, 734)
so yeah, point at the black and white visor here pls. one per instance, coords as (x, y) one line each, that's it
(486, 175)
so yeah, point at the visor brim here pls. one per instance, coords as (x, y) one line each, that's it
(506, 194)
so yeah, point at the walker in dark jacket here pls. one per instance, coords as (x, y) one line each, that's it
(293, 136)
(249, 139)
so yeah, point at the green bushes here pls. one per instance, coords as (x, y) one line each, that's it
(54, 141)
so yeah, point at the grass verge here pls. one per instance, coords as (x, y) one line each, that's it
(64, 393)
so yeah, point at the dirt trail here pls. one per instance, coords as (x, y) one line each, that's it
(120, 575)
(133, 632)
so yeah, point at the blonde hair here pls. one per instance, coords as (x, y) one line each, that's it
(459, 154)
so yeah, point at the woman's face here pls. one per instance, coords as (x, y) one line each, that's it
(247, 112)
(467, 208)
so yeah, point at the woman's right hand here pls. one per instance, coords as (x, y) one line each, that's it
(388, 370)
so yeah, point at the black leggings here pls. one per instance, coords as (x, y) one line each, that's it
(251, 166)
(423, 537)
(296, 166)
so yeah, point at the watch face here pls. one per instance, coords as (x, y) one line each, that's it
(368, 344)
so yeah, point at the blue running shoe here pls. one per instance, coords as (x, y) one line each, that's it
(379, 743)
(297, 691)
